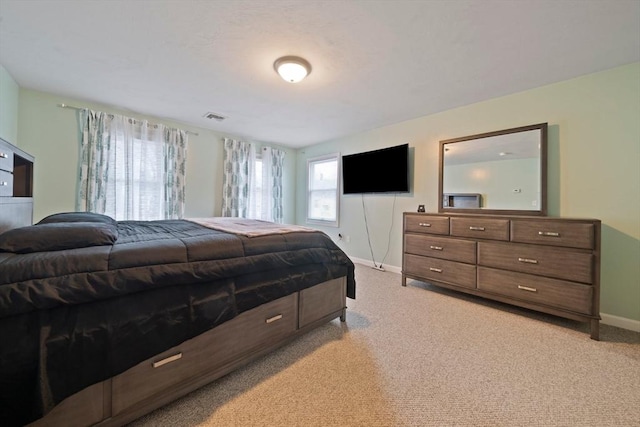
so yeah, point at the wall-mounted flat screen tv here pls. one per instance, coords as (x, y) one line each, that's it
(379, 171)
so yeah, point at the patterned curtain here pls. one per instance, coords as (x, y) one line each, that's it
(247, 194)
(273, 165)
(131, 169)
(235, 179)
(94, 162)
(175, 165)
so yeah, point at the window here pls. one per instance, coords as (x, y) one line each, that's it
(323, 190)
(138, 190)
(131, 169)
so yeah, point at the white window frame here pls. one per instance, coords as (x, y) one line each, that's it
(310, 162)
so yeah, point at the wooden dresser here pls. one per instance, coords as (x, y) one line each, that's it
(546, 264)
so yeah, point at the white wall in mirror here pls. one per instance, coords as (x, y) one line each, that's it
(503, 184)
(505, 169)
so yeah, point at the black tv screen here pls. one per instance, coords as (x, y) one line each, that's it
(379, 171)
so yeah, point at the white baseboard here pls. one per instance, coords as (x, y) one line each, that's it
(607, 319)
(391, 268)
(620, 322)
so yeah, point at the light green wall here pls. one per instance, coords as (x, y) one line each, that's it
(594, 170)
(8, 107)
(51, 134)
(594, 158)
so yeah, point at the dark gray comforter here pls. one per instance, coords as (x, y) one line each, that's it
(72, 317)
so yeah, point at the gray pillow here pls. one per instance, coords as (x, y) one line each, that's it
(57, 236)
(78, 217)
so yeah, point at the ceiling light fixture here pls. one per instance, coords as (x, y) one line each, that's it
(292, 68)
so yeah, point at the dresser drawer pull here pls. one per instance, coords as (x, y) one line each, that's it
(3, 183)
(274, 318)
(167, 360)
(424, 224)
(476, 228)
(4, 156)
(528, 260)
(548, 233)
(526, 288)
(435, 248)
(436, 270)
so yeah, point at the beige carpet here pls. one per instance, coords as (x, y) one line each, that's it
(422, 356)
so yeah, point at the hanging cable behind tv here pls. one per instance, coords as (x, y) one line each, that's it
(376, 266)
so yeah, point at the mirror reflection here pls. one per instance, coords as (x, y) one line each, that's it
(496, 172)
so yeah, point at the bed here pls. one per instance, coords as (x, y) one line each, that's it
(102, 321)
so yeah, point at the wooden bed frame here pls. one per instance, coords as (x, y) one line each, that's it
(201, 360)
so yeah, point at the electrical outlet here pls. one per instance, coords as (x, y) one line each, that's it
(347, 239)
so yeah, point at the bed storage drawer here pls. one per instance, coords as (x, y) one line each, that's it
(317, 301)
(541, 290)
(85, 408)
(209, 351)
(426, 224)
(441, 247)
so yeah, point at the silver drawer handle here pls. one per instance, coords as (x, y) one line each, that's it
(476, 228)
(274, 318)
(4, 156)
(548, 233)
(528, 260)
(435, 248)
(527, 288)
(437, 270)
(3, 183)
(167, 360)
(424, 224)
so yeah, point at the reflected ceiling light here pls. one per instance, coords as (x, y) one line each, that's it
(292, 68)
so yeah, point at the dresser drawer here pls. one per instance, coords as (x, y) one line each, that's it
(480, 228)
(542, 260)
(6, 184)
(6, 158)
(541, 290)
(452, 272)
(441, 247)
(426, 224)
(554, 233)
(268, 322)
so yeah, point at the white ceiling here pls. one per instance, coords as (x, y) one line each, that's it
(374, 63)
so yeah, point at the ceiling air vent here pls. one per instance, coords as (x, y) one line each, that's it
(218, 117)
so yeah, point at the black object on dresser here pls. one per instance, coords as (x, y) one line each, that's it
(16, 187)
(546, 264)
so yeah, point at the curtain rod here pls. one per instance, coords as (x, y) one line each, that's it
(79, 108)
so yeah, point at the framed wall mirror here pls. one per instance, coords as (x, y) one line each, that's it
(501, 172)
